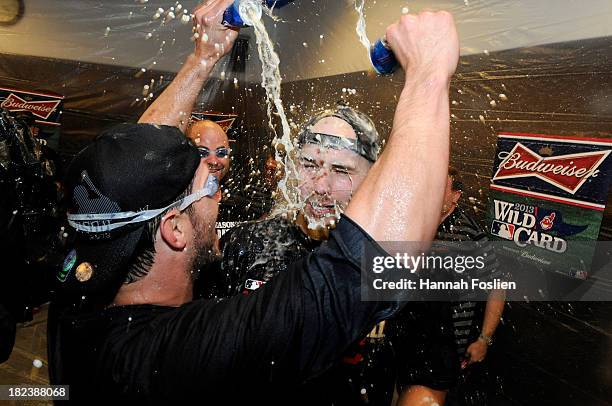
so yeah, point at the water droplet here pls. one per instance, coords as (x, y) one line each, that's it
(37, 363)
(503, 97)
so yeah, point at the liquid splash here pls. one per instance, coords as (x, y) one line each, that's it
(271, 82)
(361, 26)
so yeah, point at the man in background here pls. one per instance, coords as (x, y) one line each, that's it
(213, 145)
(433, 340)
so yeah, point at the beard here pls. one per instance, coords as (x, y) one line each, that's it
(206, 249)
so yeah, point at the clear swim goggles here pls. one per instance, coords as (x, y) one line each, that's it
(105, 222)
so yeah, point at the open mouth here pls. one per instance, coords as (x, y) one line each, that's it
(319, 209)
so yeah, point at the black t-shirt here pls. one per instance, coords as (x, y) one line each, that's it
(257, 252)
(430, 338)
(254, 253)
(245, 347)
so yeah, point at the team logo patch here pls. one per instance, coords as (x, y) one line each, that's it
(67, 266)
(252, 284)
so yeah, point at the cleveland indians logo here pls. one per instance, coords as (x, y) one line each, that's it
(566, 172)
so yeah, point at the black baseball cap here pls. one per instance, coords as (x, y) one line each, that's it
(127, 170)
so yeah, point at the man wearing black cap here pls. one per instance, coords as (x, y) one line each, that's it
(144, 206)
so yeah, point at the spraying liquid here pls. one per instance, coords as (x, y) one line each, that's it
(380, 55)
(271, 82)
(361, 25)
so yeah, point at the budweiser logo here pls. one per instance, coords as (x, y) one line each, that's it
(42, 109)
(567, 172)
(226, 124)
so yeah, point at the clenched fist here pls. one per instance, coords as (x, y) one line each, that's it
(212, 39)
(425, 44)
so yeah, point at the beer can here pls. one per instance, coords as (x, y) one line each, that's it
(232, 17)
(382, 58)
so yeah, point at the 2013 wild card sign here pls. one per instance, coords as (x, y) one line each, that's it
(547, 195)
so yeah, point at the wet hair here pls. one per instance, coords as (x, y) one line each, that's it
(456, 185)
(144, 254)
(367, 135)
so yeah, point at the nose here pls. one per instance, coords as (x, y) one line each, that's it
(322, 184)
(213, 161)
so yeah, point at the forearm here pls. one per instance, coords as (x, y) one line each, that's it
(493, 312)
(173, 107)
(401, 197)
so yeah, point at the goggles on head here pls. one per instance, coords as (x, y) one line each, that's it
(105, 222)
(333, 142)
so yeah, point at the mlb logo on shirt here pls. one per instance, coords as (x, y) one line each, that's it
(252, 284)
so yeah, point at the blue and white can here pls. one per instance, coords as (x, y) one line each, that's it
(232, 17)
(382, 58)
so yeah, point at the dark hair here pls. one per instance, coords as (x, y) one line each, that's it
(144, 254)
(364, 128)
(457, 185)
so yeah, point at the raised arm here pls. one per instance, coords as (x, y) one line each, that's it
(401, 197)
(213, 40)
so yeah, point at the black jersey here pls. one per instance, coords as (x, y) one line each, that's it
(239, 349)
(430, 338)
(253, 255)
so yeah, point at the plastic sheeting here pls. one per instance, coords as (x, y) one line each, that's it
(541, 67)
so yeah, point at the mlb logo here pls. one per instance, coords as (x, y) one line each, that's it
(503, 230)
(252, 284)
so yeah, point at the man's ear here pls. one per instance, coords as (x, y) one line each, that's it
(172, 230)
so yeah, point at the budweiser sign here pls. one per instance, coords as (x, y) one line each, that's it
(566, 172)
(45, 107)
(42, 109)
(223, 119)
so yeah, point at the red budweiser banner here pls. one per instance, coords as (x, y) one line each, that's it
(46, 108)
(547, 197)
(566, 169)
(223, 119)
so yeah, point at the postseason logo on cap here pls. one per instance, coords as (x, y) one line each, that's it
(67, 266)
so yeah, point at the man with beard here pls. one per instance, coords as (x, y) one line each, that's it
(132, 190)
(335, 150)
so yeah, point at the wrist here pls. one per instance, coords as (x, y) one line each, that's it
(436, 80)
(202, 64)
(488, 340)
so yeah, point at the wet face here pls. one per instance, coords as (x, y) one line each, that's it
(211, 137)
(329, 177)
